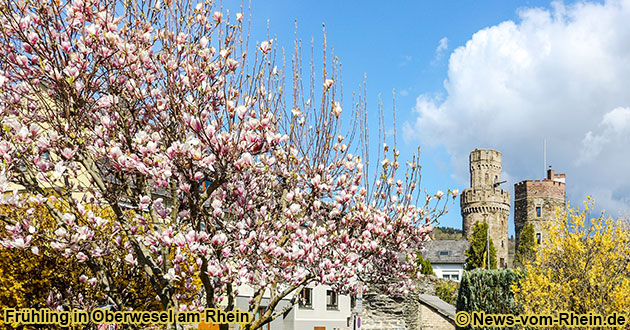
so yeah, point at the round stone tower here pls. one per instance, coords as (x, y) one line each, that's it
(485, 201)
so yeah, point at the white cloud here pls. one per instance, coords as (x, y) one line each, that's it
(441, 48)
(614, 130)
(562, 75)
(406, 59)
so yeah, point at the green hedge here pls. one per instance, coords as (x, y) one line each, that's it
(488, 291)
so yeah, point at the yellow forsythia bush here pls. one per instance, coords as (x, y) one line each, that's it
(27, 278)
(583, 266)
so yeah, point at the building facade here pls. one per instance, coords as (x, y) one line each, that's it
(318, 308)
(486, 201)
(536, 202)
(447, 258)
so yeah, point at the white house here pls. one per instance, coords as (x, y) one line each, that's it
(319, 308)
(447, 257)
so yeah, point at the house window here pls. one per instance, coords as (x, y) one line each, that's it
(502, 243)
(502, 262)
(452, 277)
(353, 302)
(443, 253)
(331, 300)
(538, 238)
(538, 212)
(306, 298)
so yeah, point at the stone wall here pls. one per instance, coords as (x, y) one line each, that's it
(384, 312)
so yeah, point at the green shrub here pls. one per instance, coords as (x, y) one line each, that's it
(488, 291)
(447, 291)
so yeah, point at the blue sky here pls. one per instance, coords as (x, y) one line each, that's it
(498, 74)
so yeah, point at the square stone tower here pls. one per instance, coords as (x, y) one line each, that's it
(536, 202)
(485, 201)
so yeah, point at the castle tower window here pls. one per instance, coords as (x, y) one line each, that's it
(538, 211)
(538, 238)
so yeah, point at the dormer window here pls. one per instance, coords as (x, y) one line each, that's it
(443, 253)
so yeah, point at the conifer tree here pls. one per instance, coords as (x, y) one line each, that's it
(526, 250)
(425, 265)
(476, 255)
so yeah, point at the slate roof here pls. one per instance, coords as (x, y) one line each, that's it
(439, 306)
(446, 251)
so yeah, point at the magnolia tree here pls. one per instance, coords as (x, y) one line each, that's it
(158, 140)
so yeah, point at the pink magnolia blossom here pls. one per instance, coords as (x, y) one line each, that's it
(82, 257)
(130, 259)
(203, 42)
(217, 16)
(336, 109)
(168, 159)
(19, 243)
(328, 83)
(265, 46)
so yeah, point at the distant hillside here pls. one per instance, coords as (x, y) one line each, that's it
(446, 233)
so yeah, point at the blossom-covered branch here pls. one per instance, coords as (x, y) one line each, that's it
(160, 142)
